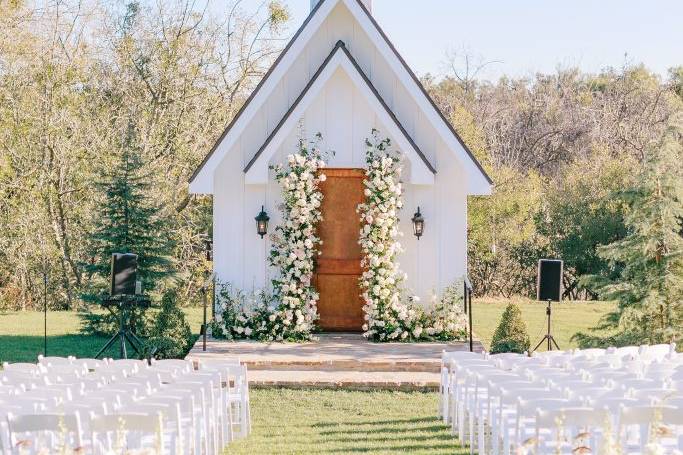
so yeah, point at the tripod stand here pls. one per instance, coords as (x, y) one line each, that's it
(548, 336)
(124, 334)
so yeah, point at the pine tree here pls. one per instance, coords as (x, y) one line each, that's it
(129, 222)
(648, 262)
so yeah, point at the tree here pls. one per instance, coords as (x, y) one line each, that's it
(580, 212)
(649, 260)
(129, 222)
(511, 334)
(73, 74)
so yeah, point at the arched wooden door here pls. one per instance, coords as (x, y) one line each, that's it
(338, 268)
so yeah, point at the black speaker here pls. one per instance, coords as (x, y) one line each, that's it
(124, 267)
(549, 282)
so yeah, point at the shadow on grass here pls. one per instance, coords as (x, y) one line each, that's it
(380, 435)
(377, 422)
(22, 348)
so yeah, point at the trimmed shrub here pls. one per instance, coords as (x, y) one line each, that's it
(171, 336)
(511, 334)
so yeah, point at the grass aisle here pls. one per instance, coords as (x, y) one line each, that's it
(336, 422)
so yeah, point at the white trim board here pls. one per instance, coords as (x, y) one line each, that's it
(202, 181)
(421, 171)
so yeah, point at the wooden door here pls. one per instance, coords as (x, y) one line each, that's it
(338, 269)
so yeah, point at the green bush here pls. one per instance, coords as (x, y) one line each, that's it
(171, 336)
(104, 323)
(511, 334)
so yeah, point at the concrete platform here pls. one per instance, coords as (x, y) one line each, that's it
(346, 361)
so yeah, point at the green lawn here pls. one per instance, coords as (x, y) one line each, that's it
(317, 422)
(336, 422)
(21, 335)
(568, 318)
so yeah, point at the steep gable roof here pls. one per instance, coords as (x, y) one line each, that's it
(284, 61)
(340, 57)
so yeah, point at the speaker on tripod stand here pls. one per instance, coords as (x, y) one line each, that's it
(124, 296)
(549, 289)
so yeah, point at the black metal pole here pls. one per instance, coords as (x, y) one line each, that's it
(213, 298)
(465, 288)
(122, 337)
(45, 313)
(469, 313)
(549, 311)
(204, 326)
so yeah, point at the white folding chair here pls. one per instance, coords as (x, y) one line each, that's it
(211, 391)
(54, 361)
(45, 431)
(505, 416)
(173, 439)
(480, 404)
(672, 419)
(526, 416)
(236, 397)
(32, 369)
(131, 431)
(582, 424)
(446, 359)
(201, 415)
(189, 417)
(90, 364)
(641, 417)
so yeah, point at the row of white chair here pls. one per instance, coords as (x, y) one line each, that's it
(172, 406)
(504, 403)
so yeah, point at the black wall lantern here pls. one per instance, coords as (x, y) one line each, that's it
(418, 224)
(262, 222)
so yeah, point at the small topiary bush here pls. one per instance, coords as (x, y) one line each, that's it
(511, 334)
(171, 336)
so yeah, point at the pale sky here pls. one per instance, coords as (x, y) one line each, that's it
(526, 36)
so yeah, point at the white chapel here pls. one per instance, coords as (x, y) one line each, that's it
(340, 76)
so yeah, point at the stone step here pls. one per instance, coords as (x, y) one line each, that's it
(426, 366)
(345, 380)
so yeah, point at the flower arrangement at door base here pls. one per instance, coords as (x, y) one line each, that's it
(289, 312)
(390, 316)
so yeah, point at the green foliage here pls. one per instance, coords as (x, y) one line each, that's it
(104, 323)
(511, 334)
(648, 262)
(581, 211)
(161, 80)
(129, 222)
(503, 243)
(170, 335)
(278, 14)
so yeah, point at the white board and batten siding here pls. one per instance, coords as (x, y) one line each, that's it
(345, 116)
